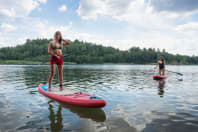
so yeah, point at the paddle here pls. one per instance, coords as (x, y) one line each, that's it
(175, 72)
(83, 51)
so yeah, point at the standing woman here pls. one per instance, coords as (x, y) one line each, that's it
(55, 50)
(161, 64)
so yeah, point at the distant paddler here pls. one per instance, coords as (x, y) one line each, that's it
(161, 64)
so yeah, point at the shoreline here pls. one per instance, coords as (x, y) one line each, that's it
(24, 62)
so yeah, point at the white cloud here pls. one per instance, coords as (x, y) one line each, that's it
(177, 6)
(192, 26)
(4, 28)
(63, 8)
(43, 1)
(31, 28)
(145, 27)
(18, 8)
(134, 12)
(45, 30)
(10, 41)
(94, 8)
(8, 12)
(42, 29)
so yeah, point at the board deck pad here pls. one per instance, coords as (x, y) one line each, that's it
(57, 90)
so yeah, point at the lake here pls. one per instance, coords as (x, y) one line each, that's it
(135, 102)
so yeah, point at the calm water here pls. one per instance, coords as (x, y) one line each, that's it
(135, 102)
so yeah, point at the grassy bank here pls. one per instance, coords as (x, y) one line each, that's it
(24, 62)
(18, 62)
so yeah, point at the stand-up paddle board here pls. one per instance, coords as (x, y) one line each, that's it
(71, 97)
(158, 77)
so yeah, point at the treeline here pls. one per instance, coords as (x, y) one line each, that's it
(83, 52)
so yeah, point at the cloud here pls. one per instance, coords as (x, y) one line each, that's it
(45, 30)
(90, 9)
(175, 8)
(4, 28)
(43, 1)
(8, 12)
(94, 8)
(63, 8)
(175, 5)
(135, 12)
(18, 8)
(31, 28)
(192, 26)
(147, 24)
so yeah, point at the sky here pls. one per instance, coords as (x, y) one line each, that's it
(166, 24)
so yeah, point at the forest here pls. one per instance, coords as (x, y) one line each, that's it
(81, 52)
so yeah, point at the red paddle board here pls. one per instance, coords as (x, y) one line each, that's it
(158, 77)
(71, 97)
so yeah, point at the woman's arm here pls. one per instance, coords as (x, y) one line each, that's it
(156, 65)
(66, 42)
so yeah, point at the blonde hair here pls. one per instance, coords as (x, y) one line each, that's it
(58, 33)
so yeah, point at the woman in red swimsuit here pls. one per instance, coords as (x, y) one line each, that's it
(55, 50)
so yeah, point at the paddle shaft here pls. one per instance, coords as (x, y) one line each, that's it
(175, 72)
(75, 53)
(71, 54)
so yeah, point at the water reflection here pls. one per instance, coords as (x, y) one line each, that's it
(112, 124)
(161, 84)
(56, 118)
(172, 122)
(95, 114)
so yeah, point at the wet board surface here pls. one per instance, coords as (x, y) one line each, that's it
(58, 90)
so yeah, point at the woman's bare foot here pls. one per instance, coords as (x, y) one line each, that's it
(61, 87)
(49, 89)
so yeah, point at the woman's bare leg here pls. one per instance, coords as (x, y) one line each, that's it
(163, 72)
(53, 70)
(160, 72)
(60, 75)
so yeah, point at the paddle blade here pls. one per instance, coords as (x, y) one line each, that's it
(180, 74)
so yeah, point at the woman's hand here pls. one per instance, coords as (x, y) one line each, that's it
(58, 57)
(66, 42)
